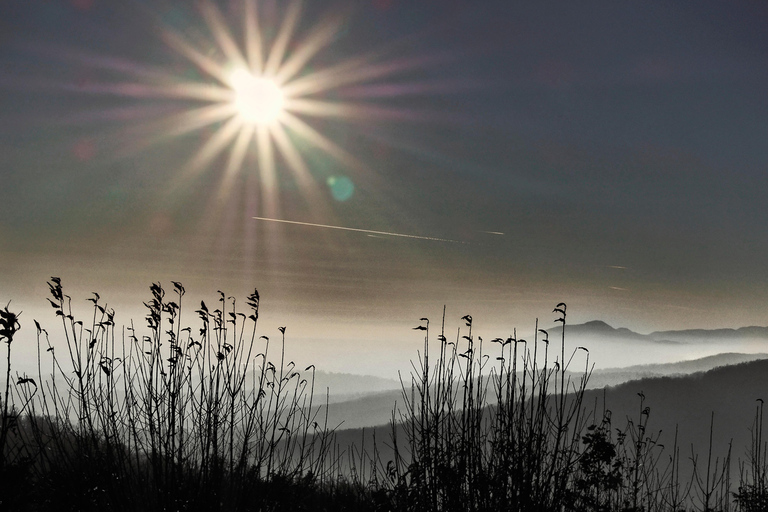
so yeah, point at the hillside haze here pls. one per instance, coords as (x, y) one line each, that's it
(620, 347)
(365, 401)
(681, 409)
(375, 408)
(599, 328)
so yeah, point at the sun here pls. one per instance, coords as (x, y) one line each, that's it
(258, 100)
(260, 97)
(256, 81)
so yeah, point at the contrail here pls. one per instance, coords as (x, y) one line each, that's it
(370, 231)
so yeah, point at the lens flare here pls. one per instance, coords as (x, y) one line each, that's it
(341, 187)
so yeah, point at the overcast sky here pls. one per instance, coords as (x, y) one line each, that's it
(611, 155)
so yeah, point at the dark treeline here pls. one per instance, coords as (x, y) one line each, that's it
(171, 417)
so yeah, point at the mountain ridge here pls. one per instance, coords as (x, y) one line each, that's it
(603, 329)
(376, 408)
(685, 411)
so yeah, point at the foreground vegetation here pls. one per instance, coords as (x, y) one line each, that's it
(167, 417)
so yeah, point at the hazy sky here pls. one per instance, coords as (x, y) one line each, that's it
(611, 155)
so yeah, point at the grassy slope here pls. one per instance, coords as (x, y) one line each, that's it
(682, 401)
(376, 408)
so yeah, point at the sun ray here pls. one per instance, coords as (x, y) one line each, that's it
(253, 43)
(323, 79)
(349, 111)
(372, 180)
(205, 63)
(315, 42)
(122, 114)
(112, 63)
(213, 146)
(280, 45)
(353, 71)
(203, 92)
(146, 81)
(236, 158)
(220, 32)
(400, 90)
(151, 133)
(321, 141)
(269, 190)
(295, 161)
(198, 118)
(319, 108)
(300, 170)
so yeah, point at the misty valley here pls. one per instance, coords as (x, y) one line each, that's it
(212, 415)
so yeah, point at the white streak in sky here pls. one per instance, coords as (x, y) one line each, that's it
(493, 232)
(387, 233)
(620, 289)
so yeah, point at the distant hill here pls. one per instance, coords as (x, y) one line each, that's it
(365, 411)
(703, 335)
(615, 376)
(346, 386)
(695, 365)
(376, 408)
(687, 402)
(600, 329)
(596, 328)
(367, 400)
(683, 402)
(610, 347)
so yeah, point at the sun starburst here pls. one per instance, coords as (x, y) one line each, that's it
(261, 97)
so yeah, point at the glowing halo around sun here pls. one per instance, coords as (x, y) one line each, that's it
(258, 100)
(259, 96)
(254, 92)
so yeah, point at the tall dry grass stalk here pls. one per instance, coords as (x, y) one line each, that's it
(172, 416)
(510, 430)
